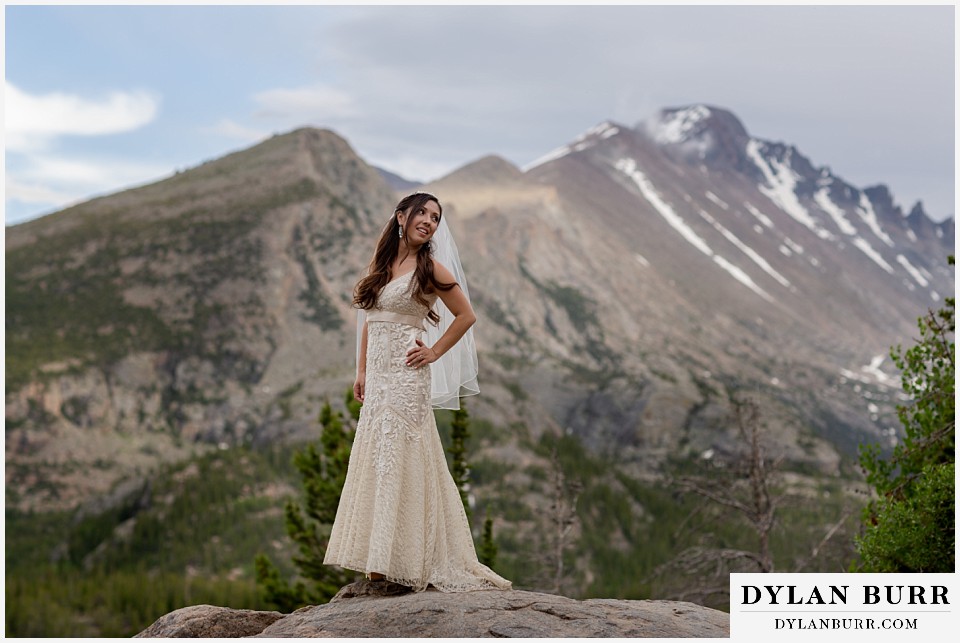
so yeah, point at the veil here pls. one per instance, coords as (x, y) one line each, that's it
(454, 375)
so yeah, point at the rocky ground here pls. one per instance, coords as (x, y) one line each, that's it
(381, 610)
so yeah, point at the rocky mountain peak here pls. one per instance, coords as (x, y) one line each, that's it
(882, 199)
(917, 213)
(677, 125)
(701, 134)
(922, 226)
(488, 169)
(946, 230)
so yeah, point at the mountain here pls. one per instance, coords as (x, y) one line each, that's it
(629, 285)
(654, 272)
(397, 182)
(202, 310)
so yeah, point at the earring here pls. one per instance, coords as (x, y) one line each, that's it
(400, 230)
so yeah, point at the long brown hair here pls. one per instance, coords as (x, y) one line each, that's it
(388, 248)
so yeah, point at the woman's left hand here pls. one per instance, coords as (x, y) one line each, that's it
(421, 355)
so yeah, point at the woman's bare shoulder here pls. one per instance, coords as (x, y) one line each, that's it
(442, 273)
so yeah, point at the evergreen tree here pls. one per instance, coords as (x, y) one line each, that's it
(275, 590)
(323, 475)
(910, 527)
(460, 470)
(460, 431)
(488, 548)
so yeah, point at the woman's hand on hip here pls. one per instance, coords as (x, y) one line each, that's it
(421, 355)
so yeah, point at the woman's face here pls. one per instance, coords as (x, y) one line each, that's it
(423, 223)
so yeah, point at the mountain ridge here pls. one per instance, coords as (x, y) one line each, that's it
(627, 293)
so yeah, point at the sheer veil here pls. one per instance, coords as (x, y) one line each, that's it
(454, 375)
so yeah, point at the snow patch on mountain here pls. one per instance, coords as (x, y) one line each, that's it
(909, 267)
(546, 158)
(760, 216)
(822, 197)
(781, 188)
(713, 197)
(742, 277)
(870, 374)
(793, 245)
(865, 210)
(747, 250)
(867, 214)
(629, 167)
(596, 133)
(868, 250)
(675, 127)
(873, 368)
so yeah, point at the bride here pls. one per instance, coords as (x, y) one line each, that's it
(400, 516)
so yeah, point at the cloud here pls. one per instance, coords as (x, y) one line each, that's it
(231, 129)
(52, 182)
(449, 84)
(38, 176)
(32, 193)
(33, 121)
(303, 104)
(91, 174)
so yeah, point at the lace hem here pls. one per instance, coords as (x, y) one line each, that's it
(471, 583)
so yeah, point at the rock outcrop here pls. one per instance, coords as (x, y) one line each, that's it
(364, 610)
(208, 621)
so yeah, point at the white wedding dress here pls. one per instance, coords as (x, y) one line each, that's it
(400, 512)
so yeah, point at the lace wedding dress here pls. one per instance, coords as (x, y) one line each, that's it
(400, 512)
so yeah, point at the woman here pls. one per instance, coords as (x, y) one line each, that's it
(400, 515)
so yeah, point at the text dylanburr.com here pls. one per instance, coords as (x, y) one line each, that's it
(852, 606)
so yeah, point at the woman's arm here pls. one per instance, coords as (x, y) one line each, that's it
(463, 318)
(359, 387)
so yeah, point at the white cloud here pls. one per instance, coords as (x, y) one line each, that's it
(89, 174)
(49, 182)
(231, 129)
(35, 194)
(318, 103)
(32, 121)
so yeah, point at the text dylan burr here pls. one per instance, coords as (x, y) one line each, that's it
(837, 595)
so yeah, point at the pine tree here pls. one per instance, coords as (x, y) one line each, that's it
(275, 590)
(460, 471)
(322, 475)
(910, 527)
(460, 431)
(488, 548)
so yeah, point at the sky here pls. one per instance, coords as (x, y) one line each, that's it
(101, 98)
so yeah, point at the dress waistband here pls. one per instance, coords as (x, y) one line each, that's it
(387, 316)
